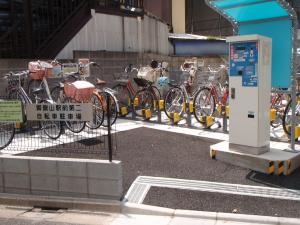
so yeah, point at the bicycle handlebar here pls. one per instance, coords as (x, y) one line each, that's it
(24, 73)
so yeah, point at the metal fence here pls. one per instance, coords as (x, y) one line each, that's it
(31, 139)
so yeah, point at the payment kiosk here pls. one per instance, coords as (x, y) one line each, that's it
(250, 89)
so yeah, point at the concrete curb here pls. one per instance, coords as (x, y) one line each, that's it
(132, 208)
(61, 202)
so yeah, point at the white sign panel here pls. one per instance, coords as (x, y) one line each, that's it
(60, 112)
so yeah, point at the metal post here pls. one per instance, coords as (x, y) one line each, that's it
(224, 119)
(189, 116)
(108, 127)
(293, 77)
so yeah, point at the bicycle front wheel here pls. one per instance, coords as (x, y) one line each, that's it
(33, 85)
(204, 104)
(123, 95)
(74, 126)
(143, 100)
(7, 133)
(174, 102)
(113, 109)
(98, 113)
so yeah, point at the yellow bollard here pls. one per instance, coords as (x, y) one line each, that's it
(129, 102)
(136, 102)
(161, 105)
(18, 125)
(176, 118)
(202, 119)
(227, 111)
(147, 114)
(154, 104)
(272, 114)
(219, 109)
(209, 121)
(297, 132)
(124, 111)
(191, 107)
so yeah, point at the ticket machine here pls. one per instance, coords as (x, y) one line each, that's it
(250, 89)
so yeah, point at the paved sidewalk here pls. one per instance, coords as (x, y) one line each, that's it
(131, 214)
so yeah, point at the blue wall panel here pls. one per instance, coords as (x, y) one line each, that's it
(200, 47)
(281, 34)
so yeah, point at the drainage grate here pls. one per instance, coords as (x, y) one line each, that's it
(142, 184)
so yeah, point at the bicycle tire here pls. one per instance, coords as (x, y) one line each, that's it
(113, 109)
(198, 106)
(7, 133)
(98, 112)
(74, 126)
(286, 115)
(145, 101)
(124, 97)
(179, 107)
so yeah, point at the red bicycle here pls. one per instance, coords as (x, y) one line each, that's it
(211, 96)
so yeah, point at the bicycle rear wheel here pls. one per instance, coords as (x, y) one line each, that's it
(287, 116)
(174, 102)
(143, 100)
(98, 112)
(204, 104)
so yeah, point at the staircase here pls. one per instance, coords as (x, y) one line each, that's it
(39, 28)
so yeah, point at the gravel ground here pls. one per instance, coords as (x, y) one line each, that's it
(205, 201)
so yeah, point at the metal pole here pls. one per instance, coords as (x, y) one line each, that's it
(293, 77)
(108, 126)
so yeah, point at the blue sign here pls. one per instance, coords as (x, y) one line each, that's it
(243, 62)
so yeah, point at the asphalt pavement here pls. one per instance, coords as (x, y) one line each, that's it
(151, 152)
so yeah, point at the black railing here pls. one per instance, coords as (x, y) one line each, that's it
(124, 7)
(28, 26)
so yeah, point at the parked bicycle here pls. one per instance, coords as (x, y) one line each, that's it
(279, 102)
(80, 90)
(211, 96)
(146, 95)
(15, 90)
(287, 115)
(180, 94)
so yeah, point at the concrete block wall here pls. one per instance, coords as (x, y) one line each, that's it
(61, 177)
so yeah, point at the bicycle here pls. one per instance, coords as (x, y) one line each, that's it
(98, 100)
(126, 93)
(211, 96)
(278, 103)
(52, 129)
(180, 94)
(287, 115)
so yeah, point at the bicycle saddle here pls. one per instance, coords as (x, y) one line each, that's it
(173, 83)
(141, 82)
(100, 82)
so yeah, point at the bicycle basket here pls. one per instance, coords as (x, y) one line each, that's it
(141, 82)
(40, 69)
(80, 91)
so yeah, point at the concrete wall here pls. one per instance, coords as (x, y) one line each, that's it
(119, 34)
(61, 177)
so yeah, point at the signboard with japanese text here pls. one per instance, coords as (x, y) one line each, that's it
(60, 112)
(11, 111)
